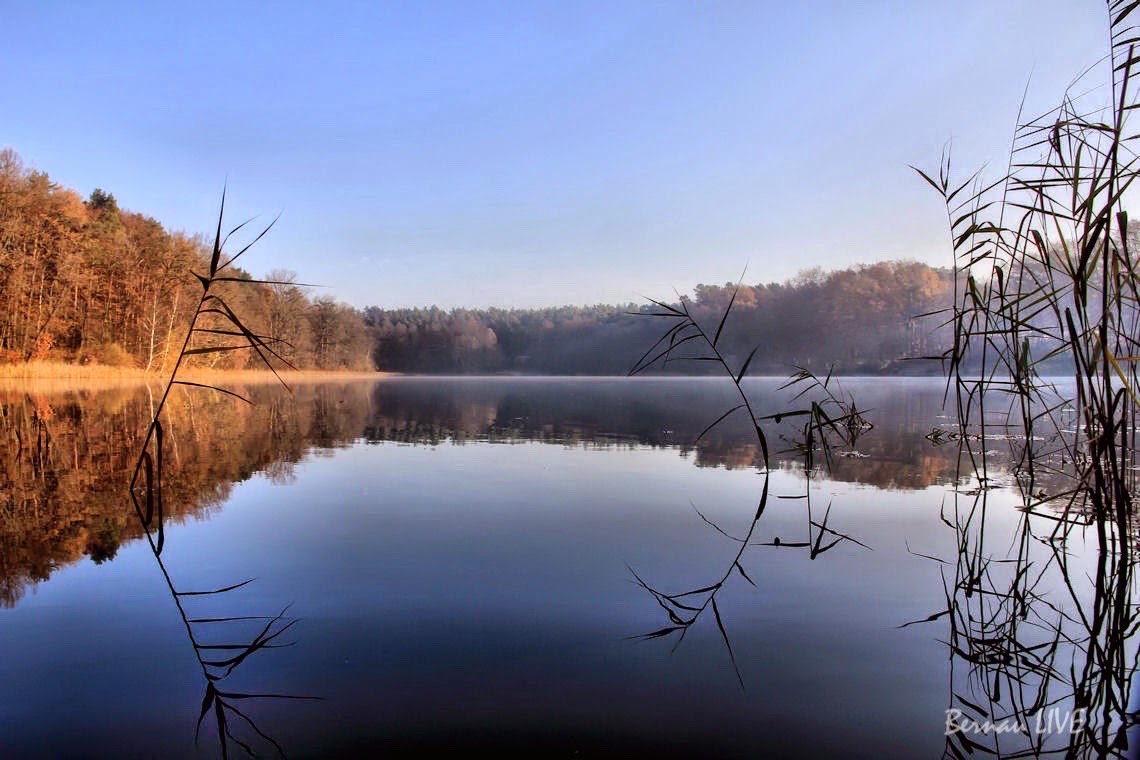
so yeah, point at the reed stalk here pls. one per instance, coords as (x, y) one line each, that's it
(213, 321)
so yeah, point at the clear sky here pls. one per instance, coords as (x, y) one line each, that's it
(535, 153)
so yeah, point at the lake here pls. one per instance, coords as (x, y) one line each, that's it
(538, 567)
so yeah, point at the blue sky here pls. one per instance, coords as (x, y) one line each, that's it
(531, 153)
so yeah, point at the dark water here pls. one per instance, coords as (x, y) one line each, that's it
(461, 559)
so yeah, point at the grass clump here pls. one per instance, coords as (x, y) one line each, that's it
(1047, 278)
(1047, 283)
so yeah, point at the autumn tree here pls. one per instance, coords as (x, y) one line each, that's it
(88, 281)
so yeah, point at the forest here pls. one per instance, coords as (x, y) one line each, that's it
(867, 319)
(84, 281)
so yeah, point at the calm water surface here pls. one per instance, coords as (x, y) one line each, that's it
(461, 558)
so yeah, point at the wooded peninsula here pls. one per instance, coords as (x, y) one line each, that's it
(83, 281)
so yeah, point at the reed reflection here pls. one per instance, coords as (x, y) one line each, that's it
(1041, 626)
(829, 423)
(221, 642)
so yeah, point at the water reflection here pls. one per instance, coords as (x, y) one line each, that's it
(67, 455)
(670, 413)
(223, 642)
(67, 458)
(1041, 633)
(829, 422)
(476, 588)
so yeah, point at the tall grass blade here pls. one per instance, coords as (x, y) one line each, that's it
(724, 317)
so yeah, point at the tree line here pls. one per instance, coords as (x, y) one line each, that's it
(84, 281)
(862, 319)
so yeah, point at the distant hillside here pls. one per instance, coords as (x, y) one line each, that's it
(864, 319)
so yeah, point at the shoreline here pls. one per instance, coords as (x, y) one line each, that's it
(64, 376)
